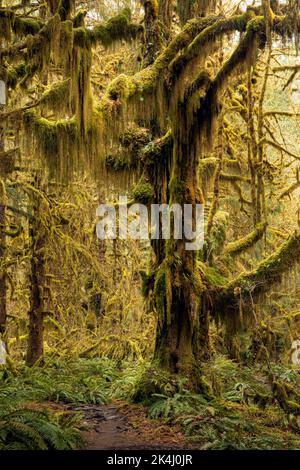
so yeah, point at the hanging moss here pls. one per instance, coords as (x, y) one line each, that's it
(14, 74)
(243, 244)
(81, 94)
(125, 87)
(57, 142)
(42, 45)
(57, 97)
(66, 36)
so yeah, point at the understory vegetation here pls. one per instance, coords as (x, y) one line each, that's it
(239, 408)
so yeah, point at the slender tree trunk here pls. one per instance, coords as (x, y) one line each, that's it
(152, 31)
(3, 283)
(165, 15)
(35, 348)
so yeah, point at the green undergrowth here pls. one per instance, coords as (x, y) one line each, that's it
(26, 391)
(30, 429)
(80, 381)
(241, 412)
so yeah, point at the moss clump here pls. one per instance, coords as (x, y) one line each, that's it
(212, 276)
(135, 137)
(25, 26)
(143, 192)
(120, 88)
(15, 74)
(116, 28)
(157, 151)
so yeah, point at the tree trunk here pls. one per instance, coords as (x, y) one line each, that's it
(152, 31)
(35, 347)
(3, 284)
(182, 330)
(165, 15)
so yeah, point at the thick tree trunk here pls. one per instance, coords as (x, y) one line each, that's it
(182, 331)
(35, 348)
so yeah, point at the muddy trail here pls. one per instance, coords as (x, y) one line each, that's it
(125, 427)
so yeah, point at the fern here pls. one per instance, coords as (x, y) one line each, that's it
(30, 429)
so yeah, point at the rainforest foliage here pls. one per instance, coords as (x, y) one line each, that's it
(167, 102)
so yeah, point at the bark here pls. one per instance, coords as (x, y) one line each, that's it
(152, 31)
(35, 347)
(3, 283)
(177, 286)
(165, 15)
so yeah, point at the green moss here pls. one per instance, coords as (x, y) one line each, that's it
(157, 151)
(160, 291)
(143, 192)
(57, 142)
(211, 276)
(57, 97)
(117, 28)
(244, 243)
(25, 26)
(177, 189)
(118, 162)
(145, 81)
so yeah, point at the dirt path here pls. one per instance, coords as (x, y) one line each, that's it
(125, 427)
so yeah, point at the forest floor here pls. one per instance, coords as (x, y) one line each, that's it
(127, 427)
(123, 426)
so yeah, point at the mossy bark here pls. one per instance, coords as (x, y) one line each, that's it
(35, 346)
(152, 30)
(3, 283)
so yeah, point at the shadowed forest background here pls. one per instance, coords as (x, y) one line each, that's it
(174, 102)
